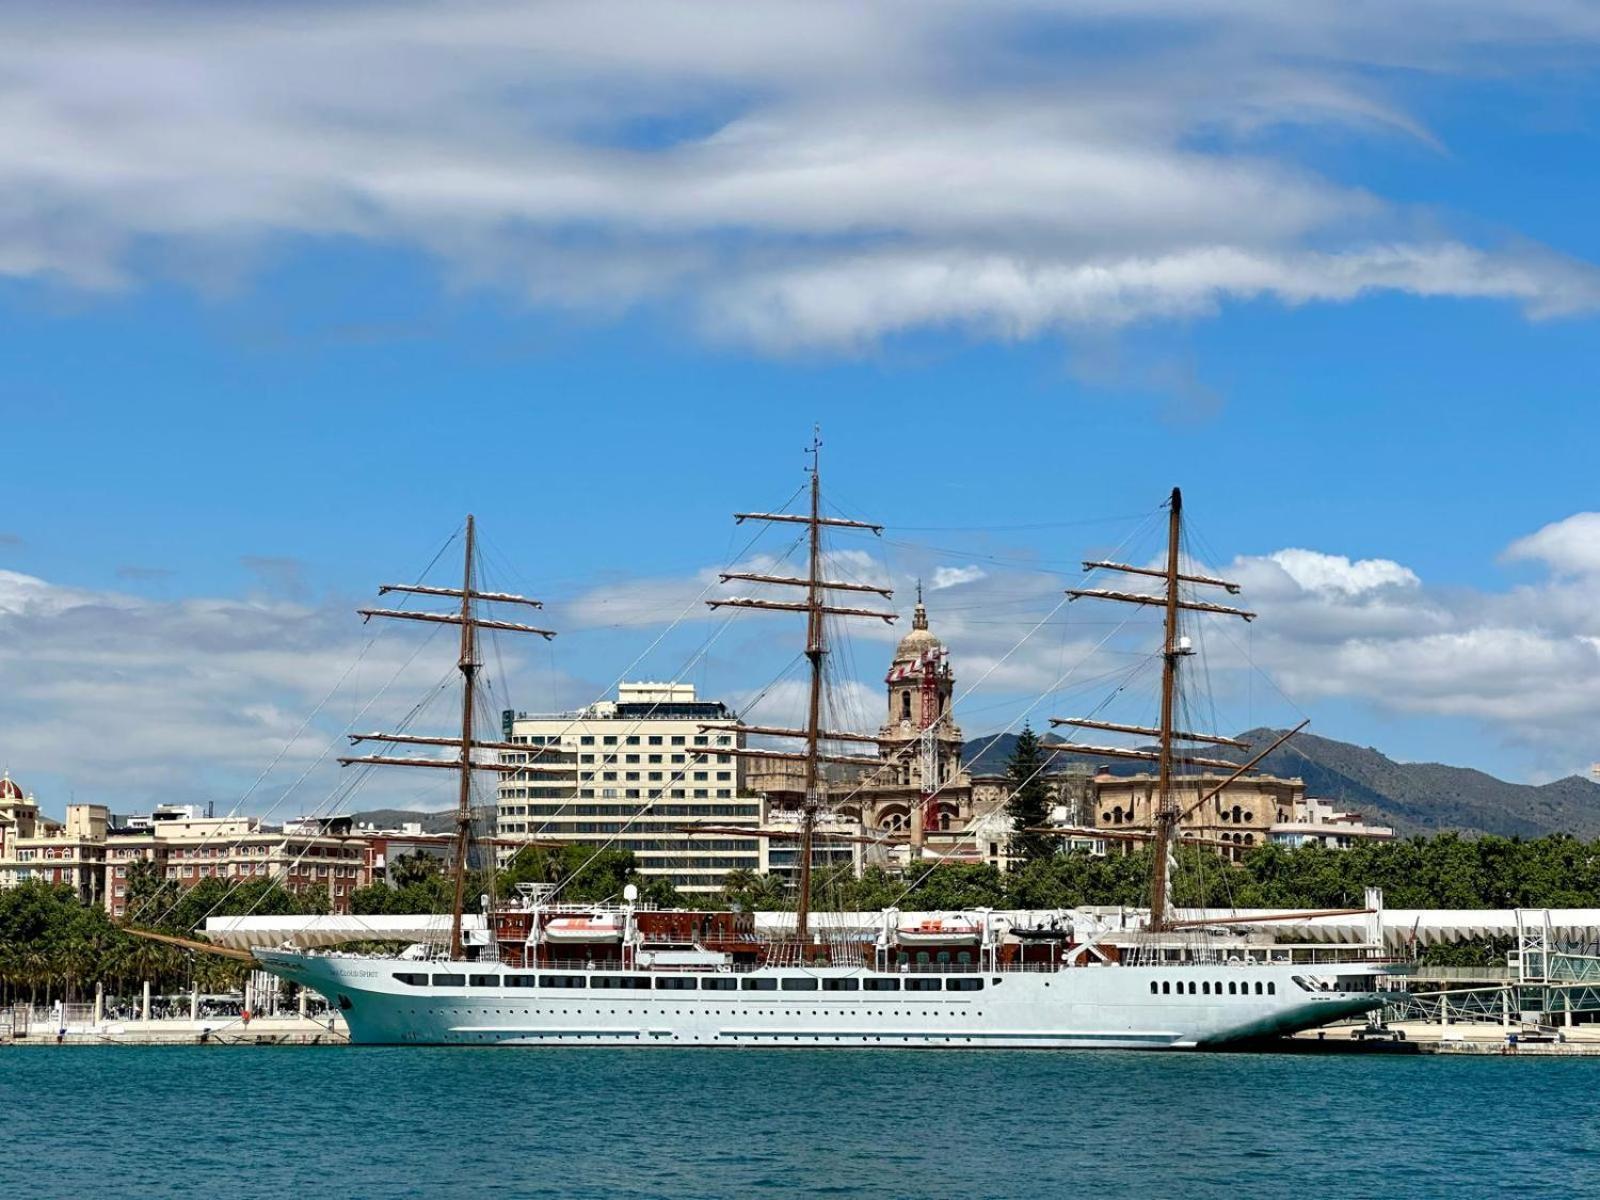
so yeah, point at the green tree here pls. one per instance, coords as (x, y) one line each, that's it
(417, 867)
(753, 891)
(1029, 803)
(584, 875)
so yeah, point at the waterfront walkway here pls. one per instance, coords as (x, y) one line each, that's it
(290, 1030)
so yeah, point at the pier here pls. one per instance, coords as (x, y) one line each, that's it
(42, 1028)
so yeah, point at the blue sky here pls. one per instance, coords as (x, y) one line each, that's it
(279, 305)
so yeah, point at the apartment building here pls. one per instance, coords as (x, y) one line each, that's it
(623, 773)
(36, 847)
(94, 852)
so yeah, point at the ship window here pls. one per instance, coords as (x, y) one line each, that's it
(759, 985)
(485, 981)
(675, 983)
(560, 981)
(1272, 989)
(881, 985)
(1232, 988)
(620, 981)
(963, 985)
(802, 984)
(413, 978)
(718, 985)
(1258, 987)
(1152, 987)
(1191, 987)
(841, 985)
(449, 981)
(922, 985)
(1205, 989)
(1166, 987)
(522, 981)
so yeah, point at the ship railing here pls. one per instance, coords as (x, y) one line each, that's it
(1172, 956)
(585, 964)
(571, 909)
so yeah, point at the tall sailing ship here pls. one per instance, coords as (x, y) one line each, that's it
(544, 972)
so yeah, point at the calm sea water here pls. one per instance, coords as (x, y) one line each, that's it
(237, 1122)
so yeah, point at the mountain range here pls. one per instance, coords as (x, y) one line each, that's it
(1412, 797)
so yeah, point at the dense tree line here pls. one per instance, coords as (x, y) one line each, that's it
(1446, 871)
(54, 946)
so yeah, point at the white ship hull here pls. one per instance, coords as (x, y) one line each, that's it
(394, 1000)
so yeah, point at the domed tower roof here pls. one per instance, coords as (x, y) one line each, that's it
(920, 639)
(9, 789)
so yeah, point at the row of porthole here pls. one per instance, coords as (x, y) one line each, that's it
(1209, 989)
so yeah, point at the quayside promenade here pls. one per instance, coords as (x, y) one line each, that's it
(80, 1025)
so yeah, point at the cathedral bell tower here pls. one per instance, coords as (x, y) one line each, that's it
(920, 684)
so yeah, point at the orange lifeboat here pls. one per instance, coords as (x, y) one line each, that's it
(598, 928)
(939, 932)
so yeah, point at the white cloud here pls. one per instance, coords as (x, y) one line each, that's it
(1317, 572)
(792, 173)
(946, 577)
(1570, 546)
(1523, 664)
(134, 701)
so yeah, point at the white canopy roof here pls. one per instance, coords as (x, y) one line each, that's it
(1399, 927)
(246, 933)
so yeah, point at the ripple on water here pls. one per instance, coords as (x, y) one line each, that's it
(396, 1122)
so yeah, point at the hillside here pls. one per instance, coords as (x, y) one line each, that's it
(1412, 797)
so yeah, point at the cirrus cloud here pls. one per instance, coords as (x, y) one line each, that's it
(791, 174)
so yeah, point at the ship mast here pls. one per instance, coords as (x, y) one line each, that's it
(466, 617)
(815, 649)
(816, 608)
(1166, 805)
(1167, 815)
